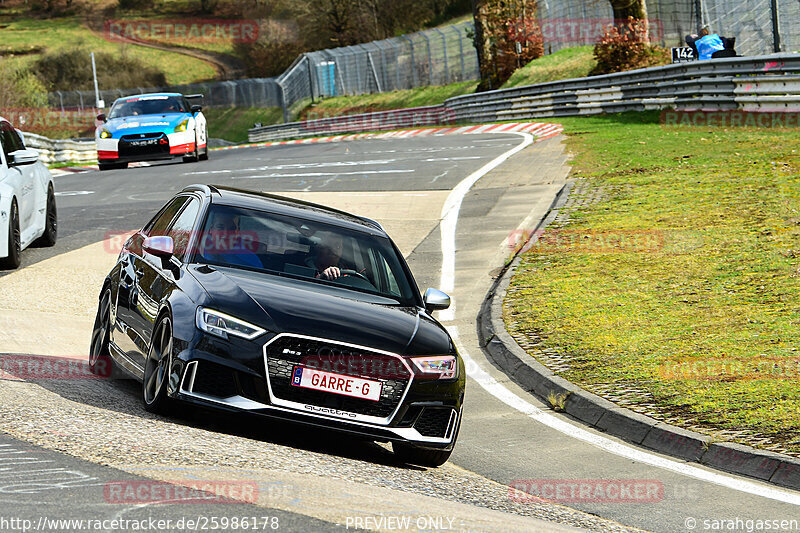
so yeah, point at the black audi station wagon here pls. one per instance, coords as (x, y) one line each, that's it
(258, 303)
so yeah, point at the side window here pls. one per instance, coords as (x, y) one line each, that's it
(159, 225)
(181, 230)
(10, 140)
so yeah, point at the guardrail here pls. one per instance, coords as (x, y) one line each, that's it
(762, 83)
(61, 151)
(381, 120)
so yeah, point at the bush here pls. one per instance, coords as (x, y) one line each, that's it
(278, 45)
(19, 88)
(626, 47)
(71, 70)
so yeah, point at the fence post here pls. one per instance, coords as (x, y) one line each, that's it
(430, 58)
(776, 27)
(444, 48)
(413, 63)
(282, 98)
(698, 7)
(461, 51)
(310, 78)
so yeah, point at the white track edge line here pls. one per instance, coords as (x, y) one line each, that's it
(448, 224)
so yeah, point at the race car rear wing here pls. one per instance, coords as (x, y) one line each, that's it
(191, 96)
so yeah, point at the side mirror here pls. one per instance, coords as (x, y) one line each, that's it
(435, 300)
(101, 117)
(23, 157)
(196, 109)
(160, 246)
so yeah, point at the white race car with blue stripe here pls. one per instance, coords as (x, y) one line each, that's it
(151, 127)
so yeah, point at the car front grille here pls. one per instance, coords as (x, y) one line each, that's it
(434, 422)
(129, 144)
(288, 352)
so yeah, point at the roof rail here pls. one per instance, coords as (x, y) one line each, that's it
(373, 222)
(205, 189)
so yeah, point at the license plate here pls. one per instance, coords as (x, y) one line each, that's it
(310, 378)
(146, 142)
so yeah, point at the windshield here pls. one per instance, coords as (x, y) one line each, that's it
(316, 252)
(148, 105)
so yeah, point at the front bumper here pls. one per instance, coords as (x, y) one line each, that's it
(154, 146)
(427, 415)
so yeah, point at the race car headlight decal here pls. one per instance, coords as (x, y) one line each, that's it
(437, 366)
(223, 325)
(105, 134)
(182, 126)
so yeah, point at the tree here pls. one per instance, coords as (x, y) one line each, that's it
(625, 9)
(629, 8)
(507, 36)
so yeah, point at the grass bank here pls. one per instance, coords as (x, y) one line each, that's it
(26, 39)
(678, 292)
(232, 123)
(562, 65)
(365, 103)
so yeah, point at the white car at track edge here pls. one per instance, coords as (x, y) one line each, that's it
(27, 198)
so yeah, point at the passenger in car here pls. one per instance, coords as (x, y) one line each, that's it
(223, 243)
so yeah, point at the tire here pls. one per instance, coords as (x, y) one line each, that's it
(158, 369)
(14, 257)
(50, 234)
(204, 155)
(410, 454)
(100, 362)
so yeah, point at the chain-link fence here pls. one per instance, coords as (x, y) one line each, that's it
(445, 55)
(433, 57)
(567, 23)
(254, 92)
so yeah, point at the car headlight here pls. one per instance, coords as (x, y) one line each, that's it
(182, 126)
(223, 325)
(437, 366)
(105, 134)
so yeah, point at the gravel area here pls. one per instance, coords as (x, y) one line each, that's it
(103, 422)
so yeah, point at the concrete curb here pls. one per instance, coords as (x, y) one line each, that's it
(608, 417)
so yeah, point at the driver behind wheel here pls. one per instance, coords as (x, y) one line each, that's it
(327, 256)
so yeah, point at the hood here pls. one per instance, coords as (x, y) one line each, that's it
(286, 305)
(145, 123)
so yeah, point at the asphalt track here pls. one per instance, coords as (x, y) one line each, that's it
(507, 435)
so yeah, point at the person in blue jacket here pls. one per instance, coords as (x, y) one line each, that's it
(708, 43)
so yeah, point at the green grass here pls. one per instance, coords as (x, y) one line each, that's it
(562, 65)
(703, 310)
(232, 124)
(59, 33)
(421, 96)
